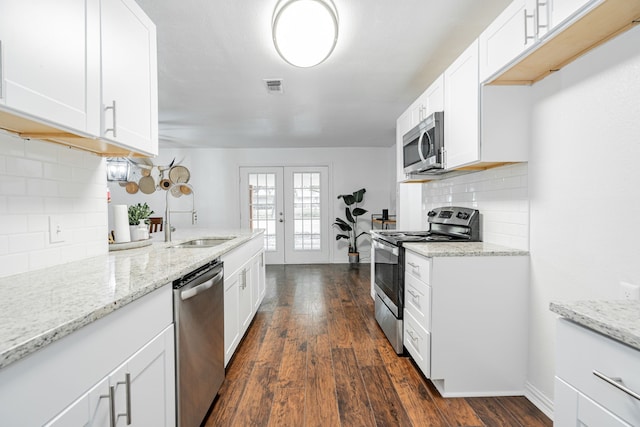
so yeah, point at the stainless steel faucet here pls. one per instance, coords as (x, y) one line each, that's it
(167, 211)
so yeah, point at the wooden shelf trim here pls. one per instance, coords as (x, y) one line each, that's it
(599, 25)
(30, 129)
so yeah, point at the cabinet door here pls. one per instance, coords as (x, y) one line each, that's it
(254, 280)
(129, 76)
(592, 414)
(92, 409)
(149, 398)
(231, 320)
(560, 10)
(417, 341)
(245, 301)
(44, 60)
(507, 37)
(262, 281)
(434, 96)
(461, 123)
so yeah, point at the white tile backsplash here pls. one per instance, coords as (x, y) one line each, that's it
(39, 179)
(500, 194)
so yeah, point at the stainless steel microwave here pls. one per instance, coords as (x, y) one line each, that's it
(423, 146)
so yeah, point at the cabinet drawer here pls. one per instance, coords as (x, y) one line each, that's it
(581, 351)
(417, 341)
(417, 300)
(418, 266)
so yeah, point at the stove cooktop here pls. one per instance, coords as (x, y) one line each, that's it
(398, 237)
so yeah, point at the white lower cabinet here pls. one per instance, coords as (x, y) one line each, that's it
(140, 391)
(244, 290)
(68, 382)
(417, 341)
(583, 398)
(466, 326)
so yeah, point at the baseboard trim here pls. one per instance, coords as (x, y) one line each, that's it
(538, 398)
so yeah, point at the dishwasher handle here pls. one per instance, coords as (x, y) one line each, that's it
(192, 292)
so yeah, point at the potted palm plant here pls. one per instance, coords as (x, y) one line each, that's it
(349, 227)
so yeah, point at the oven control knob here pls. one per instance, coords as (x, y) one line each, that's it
(432, 213)
(462, 215)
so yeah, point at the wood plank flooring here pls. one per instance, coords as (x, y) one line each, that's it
(315, 356)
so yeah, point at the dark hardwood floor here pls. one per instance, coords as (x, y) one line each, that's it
(315, 356)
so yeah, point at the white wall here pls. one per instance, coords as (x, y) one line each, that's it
(584, 169)
(215, 177)
(39, 179)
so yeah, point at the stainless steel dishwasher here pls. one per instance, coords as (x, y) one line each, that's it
(198, 311)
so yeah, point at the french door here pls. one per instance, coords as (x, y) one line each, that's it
(292, 205)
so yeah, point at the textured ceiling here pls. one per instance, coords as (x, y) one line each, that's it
(213, 56)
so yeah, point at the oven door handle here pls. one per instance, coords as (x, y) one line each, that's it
(379, 245)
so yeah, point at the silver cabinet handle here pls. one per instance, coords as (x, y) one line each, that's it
(127, 390)
(413, 294)
(414, 265)
(413, 337)
(537, 16)
(527, 37)
(617, 383)
(244, 279)
(113, 110)
(112, 406)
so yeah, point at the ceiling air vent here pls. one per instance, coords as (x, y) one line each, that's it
(274, 86)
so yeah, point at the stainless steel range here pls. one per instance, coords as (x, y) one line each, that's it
(446, 224)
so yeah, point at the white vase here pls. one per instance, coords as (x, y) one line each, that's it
(139, 232)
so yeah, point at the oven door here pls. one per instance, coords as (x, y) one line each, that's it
(387, 276)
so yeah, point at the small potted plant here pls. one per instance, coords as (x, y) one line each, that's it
(138, 221)
(350, 226)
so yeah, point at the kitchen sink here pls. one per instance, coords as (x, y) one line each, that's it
(203, 243)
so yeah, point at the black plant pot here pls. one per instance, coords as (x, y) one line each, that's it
(354, 257)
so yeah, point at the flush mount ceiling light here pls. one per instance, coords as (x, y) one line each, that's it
(305, 32)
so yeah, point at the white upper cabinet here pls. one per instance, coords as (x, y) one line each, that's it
(461, 109)
(559, 10)
(483, 125)
(430, 101)
(515, 30)
(533, 38)
(129, 76)
(81, 73)
(44, 61)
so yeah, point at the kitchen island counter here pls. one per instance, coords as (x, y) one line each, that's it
(461, 249)
(617, 319)
(42, 306)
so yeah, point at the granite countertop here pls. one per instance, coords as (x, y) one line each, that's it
(42, 306)
(617, 319)
(459, 249)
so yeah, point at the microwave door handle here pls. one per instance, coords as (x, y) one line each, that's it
(420, 144)
(420, 153)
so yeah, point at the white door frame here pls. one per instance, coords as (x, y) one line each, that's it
(327, 206)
